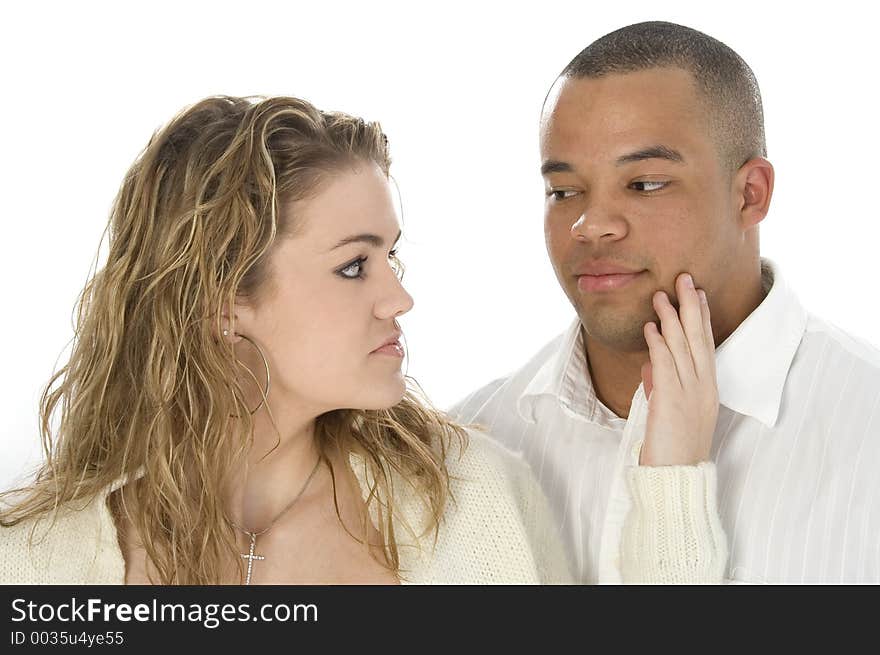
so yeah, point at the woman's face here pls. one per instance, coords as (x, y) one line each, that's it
(326, 315)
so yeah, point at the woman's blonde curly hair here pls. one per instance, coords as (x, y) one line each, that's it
(150, 391)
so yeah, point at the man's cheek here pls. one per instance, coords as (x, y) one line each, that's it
(558, 247)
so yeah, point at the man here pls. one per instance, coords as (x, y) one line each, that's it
(653, 157)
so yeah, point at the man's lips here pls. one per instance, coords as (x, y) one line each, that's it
(604, 268)
(591, 283)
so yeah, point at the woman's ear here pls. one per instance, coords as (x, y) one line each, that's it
(227, 329)
(753, 185)
(230, 323)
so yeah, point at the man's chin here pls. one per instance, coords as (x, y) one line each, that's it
(624, 338)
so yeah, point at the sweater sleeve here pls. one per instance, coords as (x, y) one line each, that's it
(673, 532)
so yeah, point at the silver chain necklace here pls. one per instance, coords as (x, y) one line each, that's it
(250, 556)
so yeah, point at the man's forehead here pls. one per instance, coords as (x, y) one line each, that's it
(647, 88)
(553, 97)
(620, 107)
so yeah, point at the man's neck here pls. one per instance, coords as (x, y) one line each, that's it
(616, 375)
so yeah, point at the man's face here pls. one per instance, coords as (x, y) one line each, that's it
(633, 180)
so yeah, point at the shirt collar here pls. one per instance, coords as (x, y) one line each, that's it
(751, 365)
(753, 362)
(565, 377)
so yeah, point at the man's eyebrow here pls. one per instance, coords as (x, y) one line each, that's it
(555, 166)
(372, 239)
(651, 152)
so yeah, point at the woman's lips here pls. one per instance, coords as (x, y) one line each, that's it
(598, 283)
(394, 349)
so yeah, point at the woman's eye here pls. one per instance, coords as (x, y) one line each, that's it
(396, 264)
(354, 270)
(561, 194)
(648, 185)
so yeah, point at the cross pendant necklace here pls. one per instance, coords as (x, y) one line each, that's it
(250, 557)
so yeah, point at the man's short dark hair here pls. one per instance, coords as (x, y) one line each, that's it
(728, 85)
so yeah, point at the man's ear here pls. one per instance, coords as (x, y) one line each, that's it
(753, 185)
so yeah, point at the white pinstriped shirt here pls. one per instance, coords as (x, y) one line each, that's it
(796, 446)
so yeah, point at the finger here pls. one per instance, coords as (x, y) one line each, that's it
(701, 341)
(675, 339)
(647, 382)
(689, 310)
(706, 365)
(690, 313)
(663, 372)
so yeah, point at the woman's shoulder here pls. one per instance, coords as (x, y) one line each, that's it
(481, 456)
(76, 544)
(493, 522)
(489, 468)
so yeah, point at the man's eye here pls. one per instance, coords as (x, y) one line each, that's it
(354, 270)
(648, 185)
(561, 194)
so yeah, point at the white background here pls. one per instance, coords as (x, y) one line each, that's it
(458, 88)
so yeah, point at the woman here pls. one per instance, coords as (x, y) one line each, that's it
(234, 408)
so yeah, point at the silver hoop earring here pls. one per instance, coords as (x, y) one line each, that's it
(265, 394)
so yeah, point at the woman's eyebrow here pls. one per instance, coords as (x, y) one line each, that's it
(373, 239)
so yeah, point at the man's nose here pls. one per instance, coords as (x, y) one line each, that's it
(600, 220)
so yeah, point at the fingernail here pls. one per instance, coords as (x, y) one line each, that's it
(689, 281)
(702, 295)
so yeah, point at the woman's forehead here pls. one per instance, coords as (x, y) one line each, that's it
(353, 202)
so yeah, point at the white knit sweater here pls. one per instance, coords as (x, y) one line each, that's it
(499, 529)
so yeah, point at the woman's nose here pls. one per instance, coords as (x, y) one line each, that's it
(395, 303)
